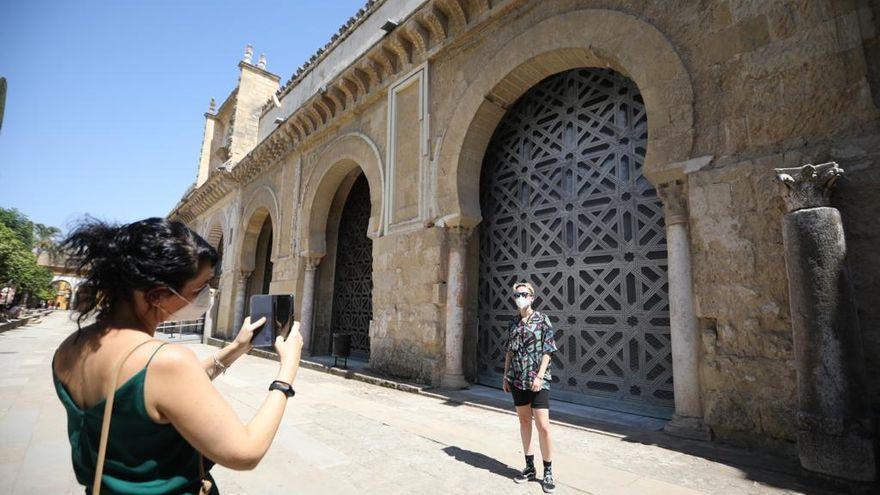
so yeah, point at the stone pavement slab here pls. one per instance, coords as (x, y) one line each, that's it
(343, 436)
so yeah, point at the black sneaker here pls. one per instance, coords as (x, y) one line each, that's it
(548, 484)
(527, 474)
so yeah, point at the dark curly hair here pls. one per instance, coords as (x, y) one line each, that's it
(115, 260)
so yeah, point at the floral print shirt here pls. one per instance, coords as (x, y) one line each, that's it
(527, 342)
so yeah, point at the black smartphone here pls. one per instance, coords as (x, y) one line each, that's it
(278, 311)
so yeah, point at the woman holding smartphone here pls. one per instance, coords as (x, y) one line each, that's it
(527, 377)
(167, 417)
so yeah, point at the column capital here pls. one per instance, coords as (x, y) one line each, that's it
(244, 274)
(808, 186)
(312, 262)
(674, 197)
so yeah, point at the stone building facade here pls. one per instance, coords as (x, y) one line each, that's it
(617, 154)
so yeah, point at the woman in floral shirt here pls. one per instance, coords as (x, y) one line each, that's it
(527, 377)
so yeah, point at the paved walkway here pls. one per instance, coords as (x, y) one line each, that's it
(344, 436)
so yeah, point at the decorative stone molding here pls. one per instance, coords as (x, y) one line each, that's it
(379, 65)
(197, 201)
(808, 186)
(327, 168)
(456, 220)
(591, 37)
(674, 197)
(344, 31)
(248, 54)
(415, 80)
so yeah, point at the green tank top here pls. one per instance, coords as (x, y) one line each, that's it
(143, 457)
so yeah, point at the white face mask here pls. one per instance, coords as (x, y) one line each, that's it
(193, 309)
(523, 302)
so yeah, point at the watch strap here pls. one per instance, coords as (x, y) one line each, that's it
(282, 386)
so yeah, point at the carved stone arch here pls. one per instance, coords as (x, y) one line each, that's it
(263, 203)
(582, 38)
(215, 229)
(344, 154)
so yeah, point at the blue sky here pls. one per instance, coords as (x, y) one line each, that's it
(105, 104)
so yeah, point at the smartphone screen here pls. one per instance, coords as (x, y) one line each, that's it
(261, 307)
(278, 311)
(283, 315)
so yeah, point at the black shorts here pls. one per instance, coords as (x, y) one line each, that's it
(538, 400)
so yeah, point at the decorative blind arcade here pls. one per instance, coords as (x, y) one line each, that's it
(353, 280)
(566, 207)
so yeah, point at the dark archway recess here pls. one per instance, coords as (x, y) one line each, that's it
(353, 279)
(261, 277)
(566, 207)
(218, 268)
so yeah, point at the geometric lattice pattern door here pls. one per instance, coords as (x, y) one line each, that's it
(353, 279)
(565, 206)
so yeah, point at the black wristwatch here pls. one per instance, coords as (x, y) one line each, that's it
(282, 386)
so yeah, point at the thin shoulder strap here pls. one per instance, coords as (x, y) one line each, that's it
(108, 411)
(154, 354)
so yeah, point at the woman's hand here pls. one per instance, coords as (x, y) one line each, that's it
(243, 339)
(537, 383)
(289, 351)
(505, 385)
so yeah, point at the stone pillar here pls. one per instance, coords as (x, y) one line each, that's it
(240, 294)
(211, 316)
(453, 375)
(834, 428)
(307, 314)
(685, 335)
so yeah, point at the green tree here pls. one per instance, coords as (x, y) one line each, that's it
(18, 266)
(20, 224)
(46, 240)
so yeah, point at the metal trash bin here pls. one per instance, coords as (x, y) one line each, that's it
(341, 348)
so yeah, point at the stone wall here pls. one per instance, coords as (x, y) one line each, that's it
(748, 374)
(255, 86)
(407, 336)
(777, 84)
(771, 81)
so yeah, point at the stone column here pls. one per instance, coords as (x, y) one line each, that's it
(453, 375)
(685, 335)
(240, 294)
(211, 316)
(307, 314)
(834, 428)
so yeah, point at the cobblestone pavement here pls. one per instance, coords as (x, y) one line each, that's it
(344, 436)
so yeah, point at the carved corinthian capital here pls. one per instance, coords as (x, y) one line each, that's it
(808, 186)
(674, 197)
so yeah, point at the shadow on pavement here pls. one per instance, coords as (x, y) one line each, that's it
(481, 461)
(777, 470)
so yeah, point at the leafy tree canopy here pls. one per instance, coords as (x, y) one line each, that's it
(20, 224)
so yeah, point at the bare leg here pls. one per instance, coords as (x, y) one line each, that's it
(542, 421)
(525, 427)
